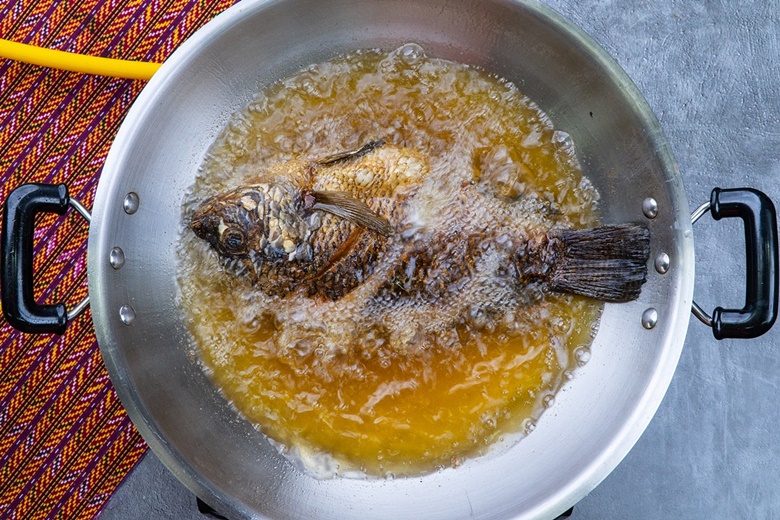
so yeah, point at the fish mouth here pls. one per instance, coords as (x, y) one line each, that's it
(205, 226)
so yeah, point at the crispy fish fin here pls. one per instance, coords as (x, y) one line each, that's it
(347, 207)
(606, 263)
(352, 154)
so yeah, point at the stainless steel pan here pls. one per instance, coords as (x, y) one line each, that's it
(155, 157)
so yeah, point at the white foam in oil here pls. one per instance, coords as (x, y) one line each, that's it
(421, 387)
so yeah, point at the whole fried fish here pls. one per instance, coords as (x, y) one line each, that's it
(349, 221)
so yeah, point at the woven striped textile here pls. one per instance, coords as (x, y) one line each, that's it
(65, 441)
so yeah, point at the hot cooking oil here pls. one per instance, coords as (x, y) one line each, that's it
(368, 405)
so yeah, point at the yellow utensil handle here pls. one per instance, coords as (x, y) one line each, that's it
(77, 62)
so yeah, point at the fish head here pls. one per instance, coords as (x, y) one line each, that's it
(262, 222)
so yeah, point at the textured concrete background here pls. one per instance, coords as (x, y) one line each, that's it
(709, 70)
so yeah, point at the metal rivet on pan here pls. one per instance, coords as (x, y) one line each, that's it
(116, 258)
(649, 318)
(662, 263)
(131, 203)
(650, 207)
(126, 314)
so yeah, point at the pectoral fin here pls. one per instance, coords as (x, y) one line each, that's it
(350, 208)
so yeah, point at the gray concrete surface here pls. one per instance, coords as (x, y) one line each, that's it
(709, 70)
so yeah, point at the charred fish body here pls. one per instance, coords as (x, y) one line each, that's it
(329, 227)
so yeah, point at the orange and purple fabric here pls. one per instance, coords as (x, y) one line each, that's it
(66, 443)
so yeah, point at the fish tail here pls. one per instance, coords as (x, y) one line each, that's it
(607, 263)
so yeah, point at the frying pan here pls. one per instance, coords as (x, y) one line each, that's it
(155, 157)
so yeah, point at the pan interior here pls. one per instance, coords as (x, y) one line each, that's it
(189, 425)
(438, 370)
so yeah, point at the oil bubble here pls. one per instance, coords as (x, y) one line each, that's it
(582, 355)
(411, 54)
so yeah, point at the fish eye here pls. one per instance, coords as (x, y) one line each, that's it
(233, 240)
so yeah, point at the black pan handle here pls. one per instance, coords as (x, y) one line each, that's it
(760, 310)
(16, 260)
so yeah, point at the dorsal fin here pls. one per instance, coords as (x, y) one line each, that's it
(349, 208)
(352, 154)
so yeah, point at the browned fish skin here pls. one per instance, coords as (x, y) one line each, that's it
(285, 247)
(273, 234)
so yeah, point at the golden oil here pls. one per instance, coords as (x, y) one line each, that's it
(368, 406)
